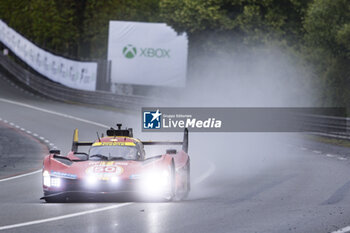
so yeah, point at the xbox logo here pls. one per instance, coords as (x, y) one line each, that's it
(129, 51)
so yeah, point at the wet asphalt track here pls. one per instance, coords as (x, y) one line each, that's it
(18, 151)
(308, 192)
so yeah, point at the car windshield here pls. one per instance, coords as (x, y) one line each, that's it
(113, 153)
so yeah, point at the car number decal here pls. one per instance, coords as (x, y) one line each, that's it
(106, 170)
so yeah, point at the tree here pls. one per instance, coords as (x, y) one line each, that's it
(53, 26)
(253, 21)
(16, 14)
(74, 28)
(327, 26)
(99, 13)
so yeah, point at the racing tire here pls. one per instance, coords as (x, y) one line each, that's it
(188, 183)
(55, 199)
(172, 192)
(187, 190)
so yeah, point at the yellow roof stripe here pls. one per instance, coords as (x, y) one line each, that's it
(114, 144)
(135, 139)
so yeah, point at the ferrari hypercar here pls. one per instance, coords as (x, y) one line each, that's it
(115, 165)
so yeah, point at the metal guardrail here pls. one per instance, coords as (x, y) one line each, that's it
(330, 126)
(62, 93)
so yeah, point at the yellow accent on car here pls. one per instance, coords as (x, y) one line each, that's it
(114, 144)
(76, 137)
(135, 139)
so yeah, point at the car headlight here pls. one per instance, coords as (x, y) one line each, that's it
(155, 183)
(91, 180)
(46, 179)
(51, 181)
(157, 178)
(115, 179)
(55, 182)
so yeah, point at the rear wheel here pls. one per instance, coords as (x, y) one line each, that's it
(171, 194)
(187, 185)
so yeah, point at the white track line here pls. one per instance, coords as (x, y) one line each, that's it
(64, 216)
(15, 177)
(342, 158)
(53, 112)
(24, 174)
(343, 230)
(36, 135)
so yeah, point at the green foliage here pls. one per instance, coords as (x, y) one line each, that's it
(52, 25)
(327, 37)
(343, 38)
(316, 31)
(74, 28)
(16, 13)
(253, 21)
(327, 26)
(98, 14)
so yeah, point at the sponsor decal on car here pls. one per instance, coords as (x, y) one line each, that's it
(106, 163)
(63, 174)
(122, 163)
(134, 176)
(114, 144)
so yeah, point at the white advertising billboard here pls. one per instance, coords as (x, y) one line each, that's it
(147, 54)
(74, 74)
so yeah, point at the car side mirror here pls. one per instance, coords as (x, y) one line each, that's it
(55, 152)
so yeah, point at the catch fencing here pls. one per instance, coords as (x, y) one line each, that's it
(62, 93)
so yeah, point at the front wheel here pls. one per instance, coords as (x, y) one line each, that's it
(54, 198)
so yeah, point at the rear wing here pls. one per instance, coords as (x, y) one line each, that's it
(76, 142)
(184, 143)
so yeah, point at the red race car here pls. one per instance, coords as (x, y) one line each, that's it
(115, 165)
